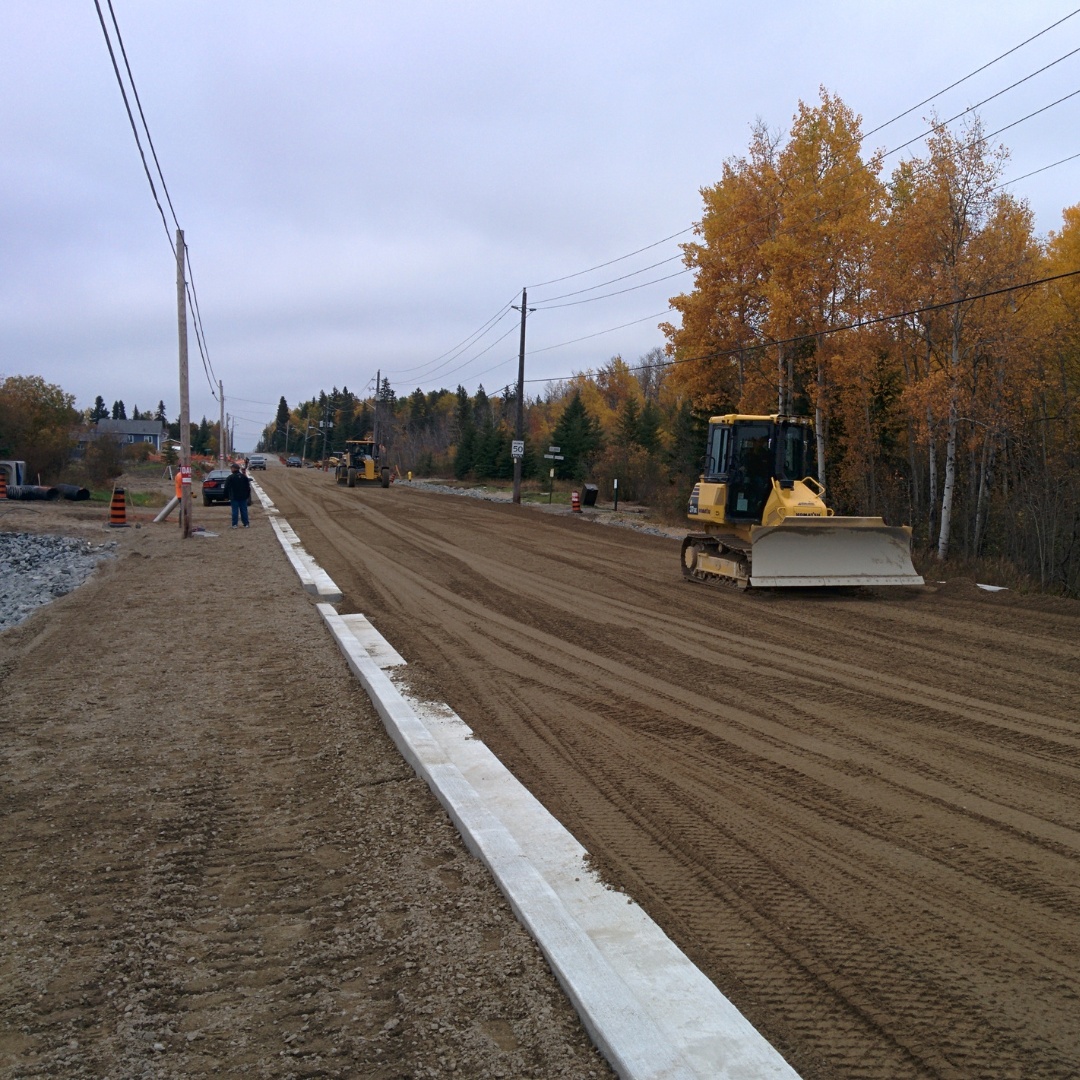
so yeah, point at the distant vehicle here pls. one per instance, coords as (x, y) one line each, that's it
(256, 461)
(294, 462)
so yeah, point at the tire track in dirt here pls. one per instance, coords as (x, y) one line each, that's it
(857, 813)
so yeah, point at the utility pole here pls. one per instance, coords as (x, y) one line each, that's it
(375, 422)
(221, 425)
(519, 431)
(185, 404)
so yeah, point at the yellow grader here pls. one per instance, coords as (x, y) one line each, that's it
(359, 464)
(761, 518)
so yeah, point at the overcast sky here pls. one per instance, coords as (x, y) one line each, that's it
(363, 185)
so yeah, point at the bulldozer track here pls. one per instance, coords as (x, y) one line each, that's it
(856, 810)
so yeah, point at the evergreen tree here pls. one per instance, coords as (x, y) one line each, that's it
(100, 410)
(648, 435)
(485, 449)
(160, 414)
(281, 422)
(118, 411)
(481, 406)
(687, 453)
(628, 426)
(465, 435)
(418, 410)
(579, 438)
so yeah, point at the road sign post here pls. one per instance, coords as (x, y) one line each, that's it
(552, 455)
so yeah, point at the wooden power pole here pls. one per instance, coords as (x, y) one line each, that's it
(185, 404)
(519, 430)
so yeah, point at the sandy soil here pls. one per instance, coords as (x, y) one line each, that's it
(215, 863)
(857, 811)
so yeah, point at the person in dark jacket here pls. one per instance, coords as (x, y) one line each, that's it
(238, 488)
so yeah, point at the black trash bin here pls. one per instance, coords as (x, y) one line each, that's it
(588, 497)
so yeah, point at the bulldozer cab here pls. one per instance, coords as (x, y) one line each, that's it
(747, 454)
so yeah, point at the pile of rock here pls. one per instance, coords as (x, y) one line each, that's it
(35, 569)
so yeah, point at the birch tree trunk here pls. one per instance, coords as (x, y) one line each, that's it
(949, 486)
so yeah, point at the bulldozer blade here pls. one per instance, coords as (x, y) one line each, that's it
(832, 551)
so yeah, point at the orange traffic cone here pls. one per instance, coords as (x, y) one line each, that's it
(3, 484)
(118, 510)
(575, 503)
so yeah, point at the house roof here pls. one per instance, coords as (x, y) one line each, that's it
(131, 427)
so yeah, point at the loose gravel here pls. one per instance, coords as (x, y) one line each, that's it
(39, 568)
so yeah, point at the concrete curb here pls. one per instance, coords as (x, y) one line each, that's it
(312, 576)
(652, 1013)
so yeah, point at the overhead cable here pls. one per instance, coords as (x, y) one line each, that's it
(971, 108)
(134, 129)
(611, 262)
(954, 85)
(197, 319)
(874, 320)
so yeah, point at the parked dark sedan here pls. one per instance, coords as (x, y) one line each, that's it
(213, 487)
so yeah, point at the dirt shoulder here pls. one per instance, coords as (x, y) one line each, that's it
(216, 862)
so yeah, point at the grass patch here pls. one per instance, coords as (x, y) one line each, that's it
(134, 498)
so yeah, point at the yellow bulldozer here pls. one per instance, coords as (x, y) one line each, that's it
(761, 518)
(359, 464)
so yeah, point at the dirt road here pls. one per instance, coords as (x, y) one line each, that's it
(858, 812)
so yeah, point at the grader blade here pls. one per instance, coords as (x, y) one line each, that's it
(832, 551)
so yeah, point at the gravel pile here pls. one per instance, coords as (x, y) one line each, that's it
(38, 569)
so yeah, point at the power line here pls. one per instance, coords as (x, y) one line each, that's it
(142, 115)
(611, 281)
(954, 85)
(600, 333)
(859, 324)
(545, 303)
(134, 129)
(887, 123)
(611, 262)
(1030, 115)
(192, 295)
(550, 304)
(618, 292)
(978, 104)
(1035, 172)
(453, 353)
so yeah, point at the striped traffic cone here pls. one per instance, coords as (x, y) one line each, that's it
(575, 503)
(118, 510)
